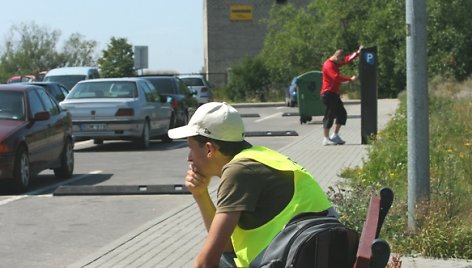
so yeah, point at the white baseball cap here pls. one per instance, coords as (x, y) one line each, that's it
(215, 120)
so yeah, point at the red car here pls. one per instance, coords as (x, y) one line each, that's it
(35, 135)
(21, 78)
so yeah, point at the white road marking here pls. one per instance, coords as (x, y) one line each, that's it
(50, 187)
(82, 144)
(268, 117)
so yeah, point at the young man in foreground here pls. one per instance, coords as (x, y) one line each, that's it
(259, 192)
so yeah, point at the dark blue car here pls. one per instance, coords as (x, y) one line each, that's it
(291, 93)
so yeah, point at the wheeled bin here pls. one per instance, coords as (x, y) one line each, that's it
(309, 102)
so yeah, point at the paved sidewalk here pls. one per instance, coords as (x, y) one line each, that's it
(173, 239)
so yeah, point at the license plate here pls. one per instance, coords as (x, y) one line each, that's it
(93, 127)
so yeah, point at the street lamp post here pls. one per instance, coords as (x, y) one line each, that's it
(417, 108)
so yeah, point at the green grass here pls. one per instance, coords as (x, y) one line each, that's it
(444, 225)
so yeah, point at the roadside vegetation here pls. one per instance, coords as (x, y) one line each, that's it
(444, 225)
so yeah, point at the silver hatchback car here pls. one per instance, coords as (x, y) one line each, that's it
(118, 109)
(199, 86)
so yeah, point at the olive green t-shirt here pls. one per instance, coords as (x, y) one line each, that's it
(258, 191)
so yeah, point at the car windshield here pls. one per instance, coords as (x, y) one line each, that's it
(192, 82)
(104, 89)
(12, 105)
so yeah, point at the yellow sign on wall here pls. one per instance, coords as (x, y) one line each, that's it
(241, 12)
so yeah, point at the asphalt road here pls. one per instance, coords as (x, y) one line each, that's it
(39, 229)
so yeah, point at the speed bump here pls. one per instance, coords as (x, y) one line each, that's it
(250, 115)
(290, 114)
(121, 189)
(270, 133)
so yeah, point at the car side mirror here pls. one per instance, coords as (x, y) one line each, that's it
(41, 116)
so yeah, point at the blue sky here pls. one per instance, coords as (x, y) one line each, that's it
(172, 29)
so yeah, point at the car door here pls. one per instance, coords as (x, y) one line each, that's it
(162, 108)
(150, 107)
(58, 91)
(56, 125)
(189, 101)
(38, 138)
(64, 90)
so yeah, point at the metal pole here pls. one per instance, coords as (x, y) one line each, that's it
(417, 108)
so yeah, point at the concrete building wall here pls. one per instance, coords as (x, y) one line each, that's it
(233, 30)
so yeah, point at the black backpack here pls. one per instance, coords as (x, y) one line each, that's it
(310, 240)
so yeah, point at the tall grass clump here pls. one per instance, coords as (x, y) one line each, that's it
(444, 224)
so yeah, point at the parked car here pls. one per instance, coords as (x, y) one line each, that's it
(69, 76)
(35, 135)
(58, 91)
(118, 109)
(199, 85)
(291, 94)
(182, 101)
(21, 78)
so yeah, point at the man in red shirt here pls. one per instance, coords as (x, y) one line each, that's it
(330, 94)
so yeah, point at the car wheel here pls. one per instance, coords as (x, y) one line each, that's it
(145, 139)
(173, 121)
(165, 138)
(67, 162)
(185, 120)
(21, 171)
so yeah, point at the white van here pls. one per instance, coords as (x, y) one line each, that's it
(69, 76)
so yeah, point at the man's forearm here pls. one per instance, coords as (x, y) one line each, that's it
(218, 240)
(351, 57)
(207, 208)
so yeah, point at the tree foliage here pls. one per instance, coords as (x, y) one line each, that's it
(286, 49)
(450, 38)
(117, 59)
(249, 80)
(79, 52)
(30, 48)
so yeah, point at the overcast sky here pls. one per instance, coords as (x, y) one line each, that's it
(172, 29)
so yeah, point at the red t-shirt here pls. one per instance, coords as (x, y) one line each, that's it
(331, 76)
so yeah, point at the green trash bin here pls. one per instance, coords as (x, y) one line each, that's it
(309, 102)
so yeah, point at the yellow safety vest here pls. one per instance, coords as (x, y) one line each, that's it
(308, 197)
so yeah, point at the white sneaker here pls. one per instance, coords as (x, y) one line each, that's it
(327, 141)
(337, 140)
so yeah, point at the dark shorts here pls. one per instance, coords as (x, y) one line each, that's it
(334, 110)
